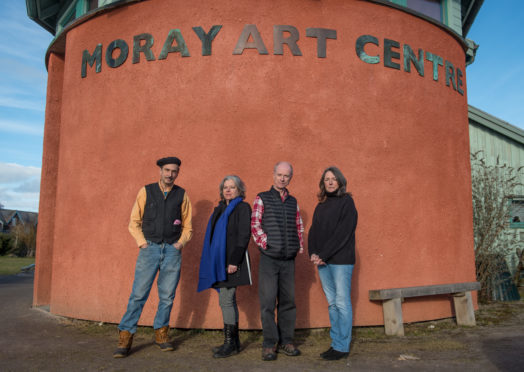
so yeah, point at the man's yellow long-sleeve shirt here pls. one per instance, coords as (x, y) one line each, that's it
(137, 213)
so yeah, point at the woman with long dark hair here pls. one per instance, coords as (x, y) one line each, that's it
(224, 264)
(332, 249)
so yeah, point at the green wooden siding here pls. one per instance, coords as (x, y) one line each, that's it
(497, 138)
(453, 15)
(495, 145)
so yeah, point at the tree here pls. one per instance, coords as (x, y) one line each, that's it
(5, 243)
(492, 189)
(23, 240)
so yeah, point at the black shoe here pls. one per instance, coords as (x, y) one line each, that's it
(226, 351)
(230, 346)
(268, 354)
(236, 337)
(335, 355)
(327, 352)
(217, 348)
(289, 350)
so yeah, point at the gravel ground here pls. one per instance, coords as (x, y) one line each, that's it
(34, 340)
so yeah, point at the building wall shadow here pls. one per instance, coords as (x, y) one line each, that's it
(504, 352)
(192, 306)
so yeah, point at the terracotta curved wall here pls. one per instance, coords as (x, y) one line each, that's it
(401, 139)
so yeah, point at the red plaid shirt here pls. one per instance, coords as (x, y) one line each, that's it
(259, 235)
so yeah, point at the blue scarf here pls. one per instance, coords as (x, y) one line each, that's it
(213, 260)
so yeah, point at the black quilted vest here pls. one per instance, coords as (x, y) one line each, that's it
(162, 216)
(279, 222)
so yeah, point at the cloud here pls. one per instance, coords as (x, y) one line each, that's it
(26, 104)
(23, 54)
(22, 70)
(16, 173)
(31, 186)
(23, 88)
(19, 201)
(19, 186)
(8, 89)
(22, 128)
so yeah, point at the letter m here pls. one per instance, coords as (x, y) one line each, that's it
(91, 59)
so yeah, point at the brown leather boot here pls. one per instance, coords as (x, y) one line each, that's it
(125, 340)
(162, 339)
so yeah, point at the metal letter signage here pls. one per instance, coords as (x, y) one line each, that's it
(257, 43)
(207, 39)
(87, 58)
(169, 48)
(279, 40)
(450, 75)
(124, 51)
(145, 48)
(409, 56)
(321, 34)
(390, 54)
(394, 53)
(437, 61)
(359, 48)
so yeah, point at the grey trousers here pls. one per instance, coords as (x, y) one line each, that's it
(276, 288)
(228, 304)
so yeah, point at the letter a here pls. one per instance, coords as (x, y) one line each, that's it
(257, 43)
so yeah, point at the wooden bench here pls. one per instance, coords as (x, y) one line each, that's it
(392, 303)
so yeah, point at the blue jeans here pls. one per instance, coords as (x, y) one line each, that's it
(165, 260)
(336, 283)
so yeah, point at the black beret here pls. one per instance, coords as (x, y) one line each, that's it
(168, 160)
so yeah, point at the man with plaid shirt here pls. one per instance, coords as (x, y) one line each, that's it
(277, 229)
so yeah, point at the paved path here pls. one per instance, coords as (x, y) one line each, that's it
(33, 340)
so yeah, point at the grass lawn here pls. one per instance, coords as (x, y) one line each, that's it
(12, 265)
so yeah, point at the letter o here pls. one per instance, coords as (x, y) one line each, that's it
(124, 51)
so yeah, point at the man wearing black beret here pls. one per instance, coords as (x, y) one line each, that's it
(161, 225)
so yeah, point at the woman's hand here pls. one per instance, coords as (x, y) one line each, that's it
(232, 269)
(317, 260)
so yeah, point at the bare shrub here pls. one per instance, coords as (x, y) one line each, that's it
(492, 189)
(23, 240)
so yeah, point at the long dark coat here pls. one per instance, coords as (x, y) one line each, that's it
(237, 240)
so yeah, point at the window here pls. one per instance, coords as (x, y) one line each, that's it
(93, 4)
(77, 9)
(431, 8)
(517, 213)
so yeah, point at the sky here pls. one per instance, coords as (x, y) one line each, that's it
(494, 84)
(23, 80)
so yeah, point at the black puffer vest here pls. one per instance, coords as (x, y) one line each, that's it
(279, 222)
(162, 221)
